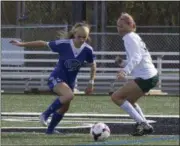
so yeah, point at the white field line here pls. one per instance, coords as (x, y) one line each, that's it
(44, 128)
(85, 115)
(76, 122)
(33, 118)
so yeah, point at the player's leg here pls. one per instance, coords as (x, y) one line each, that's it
(57, 117)
(139, 110)
(133, 99)
(66, 92)
(65, 95)
(120, 98)
(144, 86)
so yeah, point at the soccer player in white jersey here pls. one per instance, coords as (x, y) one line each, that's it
(139, 65)
(73, 51)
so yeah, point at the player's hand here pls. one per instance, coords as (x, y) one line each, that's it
(16, 43)
(89, 88)
(121, 75)
(118, 61)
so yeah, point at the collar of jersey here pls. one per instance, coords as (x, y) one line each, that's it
(74, 49)
(73, 46)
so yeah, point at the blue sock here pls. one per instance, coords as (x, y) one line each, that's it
(52, 108)
(56, 118)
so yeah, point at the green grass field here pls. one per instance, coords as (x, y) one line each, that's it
(156, 105)
(164, 105)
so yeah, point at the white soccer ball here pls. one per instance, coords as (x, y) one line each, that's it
(100, 131)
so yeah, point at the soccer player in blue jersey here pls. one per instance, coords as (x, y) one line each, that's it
(73, 51)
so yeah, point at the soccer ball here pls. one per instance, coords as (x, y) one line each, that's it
(99, 131)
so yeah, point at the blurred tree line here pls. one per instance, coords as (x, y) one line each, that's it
(60, 12)
(147, 12)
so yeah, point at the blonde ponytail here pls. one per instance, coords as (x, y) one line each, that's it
(70, 34)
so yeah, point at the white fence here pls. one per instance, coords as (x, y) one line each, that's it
(33, 74)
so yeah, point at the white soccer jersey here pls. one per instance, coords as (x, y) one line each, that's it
(139, 62)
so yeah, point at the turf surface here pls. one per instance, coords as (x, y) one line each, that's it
(156, 105)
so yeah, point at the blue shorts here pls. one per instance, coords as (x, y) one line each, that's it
(53, 81)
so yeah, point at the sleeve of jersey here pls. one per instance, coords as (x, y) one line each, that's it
(53, 46)
(134, 55)
(91, 57)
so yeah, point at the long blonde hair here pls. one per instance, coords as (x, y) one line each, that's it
(70, 34)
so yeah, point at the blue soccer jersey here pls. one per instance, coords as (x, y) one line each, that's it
(70, 61)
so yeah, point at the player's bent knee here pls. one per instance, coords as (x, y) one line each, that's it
(117, 98)
(114, 97)
(69, 97)
(66, 98)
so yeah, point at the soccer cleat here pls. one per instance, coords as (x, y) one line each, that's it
(52, 132)
(143, 129)
(43, 121)
(55, 132)
(135, 127)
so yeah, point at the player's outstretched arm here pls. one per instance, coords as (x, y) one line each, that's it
(29, 44)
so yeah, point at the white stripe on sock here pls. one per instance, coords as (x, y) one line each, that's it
(126, 106)
(139, 110)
